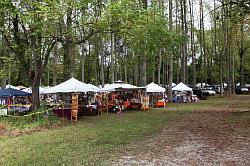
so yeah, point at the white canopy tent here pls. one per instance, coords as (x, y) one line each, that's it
(152, 87)
(71, 85)
(93, 87)
(114, 86)
(29, 90)
(173, 84)
(11, 86)
(21, 87)
(181, 87)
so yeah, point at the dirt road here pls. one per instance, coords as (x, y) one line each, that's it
(213, 137)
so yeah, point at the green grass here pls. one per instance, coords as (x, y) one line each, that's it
(92, 140)
(28, 122)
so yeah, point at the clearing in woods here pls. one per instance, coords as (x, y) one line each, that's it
(212, 132)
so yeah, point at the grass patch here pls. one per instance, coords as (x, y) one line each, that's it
(24, 123)
(93, 140)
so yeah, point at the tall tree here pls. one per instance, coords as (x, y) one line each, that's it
(170, 75)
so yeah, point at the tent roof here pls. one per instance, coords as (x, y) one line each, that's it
(93, 87)
(20, 87)
(71, 85)
(152, 87)
(173, 84)
(11, 86)
(29, 90)
(181, 87)
(13, 92)
(114, 86)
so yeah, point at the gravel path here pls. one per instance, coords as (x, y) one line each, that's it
(199, 138)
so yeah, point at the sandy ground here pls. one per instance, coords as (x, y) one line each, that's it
(199, 138)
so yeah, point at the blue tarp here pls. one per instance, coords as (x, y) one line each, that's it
(13, 92)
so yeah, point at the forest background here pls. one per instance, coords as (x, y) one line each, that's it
(43, 42)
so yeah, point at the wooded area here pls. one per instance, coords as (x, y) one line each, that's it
(44, 42)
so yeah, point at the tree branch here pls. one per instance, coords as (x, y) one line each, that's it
(46, 58)
(84, 39)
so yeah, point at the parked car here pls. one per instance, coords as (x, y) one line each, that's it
(241, 90)
(217, 89)
(209, 91)
(202, 95)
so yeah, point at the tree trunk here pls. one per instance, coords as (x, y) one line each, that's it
(112, 59)
(55, 59)
(159, 67)
(215, 32)
(164, 73)
(241, 50)
(102, 68)
(192, 42)
(184, 45)
(3, 78)
(68, 46)
(145, 73)
(97, 52)
(233, 79)
(83, 62)
(170, 75)
(153, 71)
(201, 44)
(125, 66)
(35, 94)
(125, 73)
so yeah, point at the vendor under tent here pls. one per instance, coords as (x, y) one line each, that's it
(182, 93)
(14, 100)
(9, 92)
(181, 87)
(118, 86)
(71, 85)
(152, 87)
(122, 95)
(156, 95)
(65, 92)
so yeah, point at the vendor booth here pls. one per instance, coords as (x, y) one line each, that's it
(183, 94)
(72, 98)
(13, 101)
(156, 95)
(125, 96)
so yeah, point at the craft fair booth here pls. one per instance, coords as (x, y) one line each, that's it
(14, 102)
(156, 95)
(125, 96)
(183, 94)
(73, 98)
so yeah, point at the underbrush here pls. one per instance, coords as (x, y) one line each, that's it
(35, 119)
